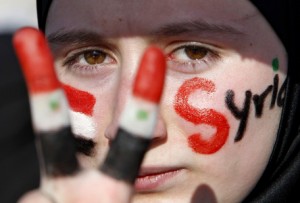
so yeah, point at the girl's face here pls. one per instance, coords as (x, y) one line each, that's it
(222, 99)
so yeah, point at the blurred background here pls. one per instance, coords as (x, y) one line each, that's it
(19, 171)
(17, 13)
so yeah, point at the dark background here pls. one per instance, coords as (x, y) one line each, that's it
(18, 160)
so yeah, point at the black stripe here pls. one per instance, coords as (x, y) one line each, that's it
(57, 152)
(125, 156)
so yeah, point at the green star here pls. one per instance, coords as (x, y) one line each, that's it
(54, 105)
(142, 114)
(275, 64)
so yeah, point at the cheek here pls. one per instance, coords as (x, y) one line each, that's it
(198, 142)
(82, 107)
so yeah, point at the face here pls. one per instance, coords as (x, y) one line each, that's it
(222, 98)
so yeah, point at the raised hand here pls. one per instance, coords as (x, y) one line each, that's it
(62, 179)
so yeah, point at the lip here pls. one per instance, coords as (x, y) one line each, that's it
(151, 179)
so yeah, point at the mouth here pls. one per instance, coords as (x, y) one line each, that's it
(156, 178)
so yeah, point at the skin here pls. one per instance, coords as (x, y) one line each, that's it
(241, 60)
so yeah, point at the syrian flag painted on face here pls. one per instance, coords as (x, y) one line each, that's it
(82, 105)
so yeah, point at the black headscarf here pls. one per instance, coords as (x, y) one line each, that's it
(281, 179)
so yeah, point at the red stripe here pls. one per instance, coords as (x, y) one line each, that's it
(151, 75)
(36, 60)
(80, 101)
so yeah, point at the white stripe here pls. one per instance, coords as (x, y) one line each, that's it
(83, 125)
(139, 117)
(49, 110)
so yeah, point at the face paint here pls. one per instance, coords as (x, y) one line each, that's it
(275, 64)
(82, 125)
(201, 116)
(259, 103)
(260, 99)
(82, 105)
(80, 101)
(275, 90)
(242, 114)
(281, 94)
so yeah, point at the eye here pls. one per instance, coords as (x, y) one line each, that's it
(195, 52)
(94, 57)
(90, 61)
(192, 58)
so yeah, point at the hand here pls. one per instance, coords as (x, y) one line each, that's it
(62, 179)
(86, 186)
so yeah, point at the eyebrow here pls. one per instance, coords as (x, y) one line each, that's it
(63, 37)
(82, 36)
(198, 26)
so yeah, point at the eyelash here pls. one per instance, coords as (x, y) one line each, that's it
(189, 65)
(73, 64)
(175, 59)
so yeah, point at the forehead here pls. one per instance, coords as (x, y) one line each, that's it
(112, 17)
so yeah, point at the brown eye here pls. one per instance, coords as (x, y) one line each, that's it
(94, 57)
(195, 52)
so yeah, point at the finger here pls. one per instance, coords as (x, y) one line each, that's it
(49, 109)
(138, 119)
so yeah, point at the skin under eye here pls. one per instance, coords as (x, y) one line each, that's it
(89, 62)
(192, 58)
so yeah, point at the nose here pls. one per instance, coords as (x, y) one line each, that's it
(160, 130)
(124, 94)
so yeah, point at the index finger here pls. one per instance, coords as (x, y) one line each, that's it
(49, 108)
(138, 119)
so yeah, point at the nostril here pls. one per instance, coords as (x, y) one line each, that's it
(109, 143)
(110, 136)
(160, 131)
(158, 139)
